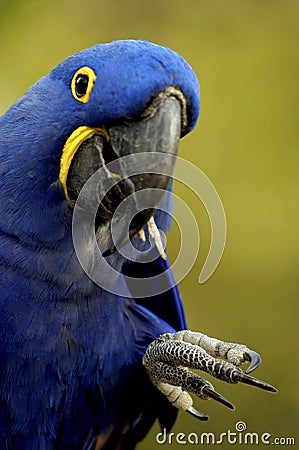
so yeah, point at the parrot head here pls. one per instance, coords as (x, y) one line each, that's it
(104, 109)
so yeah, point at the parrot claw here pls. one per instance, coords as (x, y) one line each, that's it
(242, 377)
(254, 358)
(218, 397)
(197, 414)
(169, 358)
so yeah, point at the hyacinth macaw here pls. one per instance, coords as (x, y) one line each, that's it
(91, 364)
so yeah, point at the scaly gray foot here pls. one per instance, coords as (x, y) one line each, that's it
(168, 359)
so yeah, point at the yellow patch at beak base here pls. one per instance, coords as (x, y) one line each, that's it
(69, 150)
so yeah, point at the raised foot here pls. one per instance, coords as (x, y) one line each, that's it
(168, 361)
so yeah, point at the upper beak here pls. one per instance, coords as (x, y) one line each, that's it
(157, 130)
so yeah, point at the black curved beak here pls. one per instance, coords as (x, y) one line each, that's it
(158, 130)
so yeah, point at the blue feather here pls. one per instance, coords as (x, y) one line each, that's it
(168, 304)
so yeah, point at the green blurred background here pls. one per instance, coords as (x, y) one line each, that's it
(246, 57)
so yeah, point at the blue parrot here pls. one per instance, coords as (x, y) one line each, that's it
(94, 346)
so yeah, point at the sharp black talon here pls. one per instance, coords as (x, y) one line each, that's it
(199, 415)
(247, 379)
(254, 358)
(218, 397)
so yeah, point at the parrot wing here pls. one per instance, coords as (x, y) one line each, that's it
(167, 305)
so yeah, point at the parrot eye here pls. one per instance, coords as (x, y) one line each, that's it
(82, 84)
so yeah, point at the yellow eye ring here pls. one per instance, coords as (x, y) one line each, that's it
(82, 84)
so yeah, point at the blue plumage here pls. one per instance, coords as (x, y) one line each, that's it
(70, 354)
